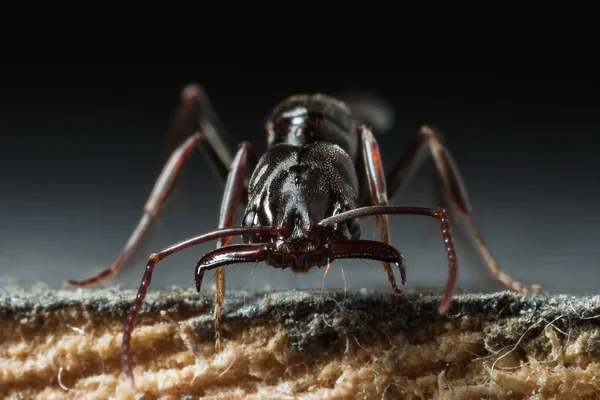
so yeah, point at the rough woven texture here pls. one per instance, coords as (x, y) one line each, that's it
(301, 345)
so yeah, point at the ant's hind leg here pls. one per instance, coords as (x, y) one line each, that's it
(428, 145)
(195, 111)
(164, 186)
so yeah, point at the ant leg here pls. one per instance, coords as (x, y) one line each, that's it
(377, 187)
(156, 258)
(196, 111)
(450, 184)
(194, 105)
(163, 188)
(228, 215)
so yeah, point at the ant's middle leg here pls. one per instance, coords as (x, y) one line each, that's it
(194, 107)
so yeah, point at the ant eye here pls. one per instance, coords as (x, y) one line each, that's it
(249, 219)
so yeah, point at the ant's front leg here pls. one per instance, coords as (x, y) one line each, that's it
(428, 145)
(196, 107)
(232, 199)
(378, 191)
(159, 256)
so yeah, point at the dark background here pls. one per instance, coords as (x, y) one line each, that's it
(83, 134)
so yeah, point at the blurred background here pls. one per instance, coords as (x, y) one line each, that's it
(84, 134)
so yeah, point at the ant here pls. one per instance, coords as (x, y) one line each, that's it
(321, 172)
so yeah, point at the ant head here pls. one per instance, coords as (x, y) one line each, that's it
(297, 187)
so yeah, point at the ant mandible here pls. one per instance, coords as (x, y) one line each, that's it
(321, 172)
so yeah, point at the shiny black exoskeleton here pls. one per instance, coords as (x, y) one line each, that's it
(307, 175)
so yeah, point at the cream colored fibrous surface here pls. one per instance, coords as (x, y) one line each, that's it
(66, 344)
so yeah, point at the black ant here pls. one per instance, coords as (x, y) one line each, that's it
(321, 172)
